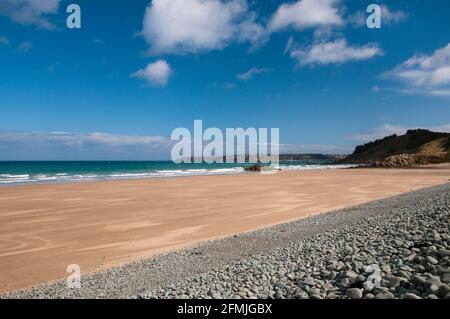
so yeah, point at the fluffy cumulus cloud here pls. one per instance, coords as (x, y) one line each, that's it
(389, 129)
(77, 146)
(30, 12)
(425, 74)
(155, 74)
(246, 76)
(190, 26)
(333, 52)
(305, 13)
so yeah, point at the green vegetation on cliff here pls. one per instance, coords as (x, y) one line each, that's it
(418, 146)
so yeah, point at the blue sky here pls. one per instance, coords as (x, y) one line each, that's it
(137, 70)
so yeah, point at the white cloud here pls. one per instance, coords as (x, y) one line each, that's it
(251, 31)
(422, 74)
(315, 149)
(30, 12)
(4, 40)
(334, 52)
(445, 128)
(191, 26)
(388, 17)
(305, 13)
(389, 129)
(375, 89)
(357, 19)
(106, 146)
(155, 74)
(379, 132)
(25, 46)
(229, 86)
(442, 93)
(81, 146)
(246, 76)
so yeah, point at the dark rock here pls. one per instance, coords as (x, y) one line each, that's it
(254, 168)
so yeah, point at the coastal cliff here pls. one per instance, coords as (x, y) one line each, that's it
(416, 147)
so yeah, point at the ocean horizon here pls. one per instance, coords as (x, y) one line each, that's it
(32, 172)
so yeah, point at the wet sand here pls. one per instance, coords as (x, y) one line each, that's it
(44, 228)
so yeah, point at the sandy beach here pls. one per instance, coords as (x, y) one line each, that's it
(44, 228)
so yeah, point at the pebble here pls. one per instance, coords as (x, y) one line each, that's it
(354, 293)
(385, 295)
(431, 260)
(410, 295)
(395, 282)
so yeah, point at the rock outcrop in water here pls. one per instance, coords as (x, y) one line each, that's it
(254, 168)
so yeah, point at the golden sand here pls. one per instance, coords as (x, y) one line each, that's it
(44, 228)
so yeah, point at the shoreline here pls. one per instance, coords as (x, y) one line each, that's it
(149, 277)
(102, 224)
(122, 176)
(211, 172)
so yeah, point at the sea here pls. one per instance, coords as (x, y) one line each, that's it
(32, 172)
